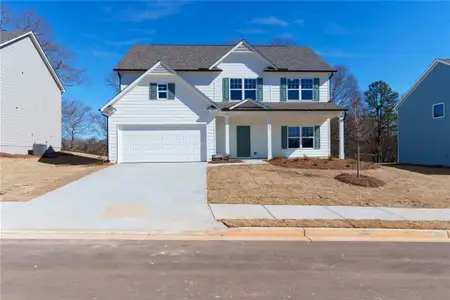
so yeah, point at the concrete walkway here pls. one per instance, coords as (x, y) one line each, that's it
(247, 211)
(154, 198)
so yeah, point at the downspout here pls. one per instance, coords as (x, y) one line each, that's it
(120, 81)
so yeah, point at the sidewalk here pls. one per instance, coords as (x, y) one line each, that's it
(270, 212)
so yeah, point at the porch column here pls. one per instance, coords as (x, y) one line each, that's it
(269, 137)
(341, 136)
(227, 135)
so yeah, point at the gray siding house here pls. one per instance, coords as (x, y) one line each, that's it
(424, 118)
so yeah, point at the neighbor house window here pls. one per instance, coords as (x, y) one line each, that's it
(241, 89)
(300, 89)
(438, 110)
(162, 90)
(300, 137)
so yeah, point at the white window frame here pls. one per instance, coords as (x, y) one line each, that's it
(443, 110)
(243, 89)
(167, 91)
(300, 137)
(300, 88)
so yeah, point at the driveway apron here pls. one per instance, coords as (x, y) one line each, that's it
(155, 198)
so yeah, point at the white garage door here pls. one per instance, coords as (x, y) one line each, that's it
(160, 144)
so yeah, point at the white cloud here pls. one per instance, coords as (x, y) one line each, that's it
(334, 28)
(300, 22)
(116, 43)
(251, 31)
(150, 11)
(270, 21)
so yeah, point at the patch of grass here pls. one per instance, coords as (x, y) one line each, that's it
(362, 180)
(317, 163)
(330, 223)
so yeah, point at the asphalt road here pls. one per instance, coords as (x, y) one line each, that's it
(113, 270)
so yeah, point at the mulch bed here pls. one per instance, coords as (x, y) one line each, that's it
(321, 164)
(362, 180)
(225, 161)
(329, 223)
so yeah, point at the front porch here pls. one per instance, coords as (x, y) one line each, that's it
(268, 134)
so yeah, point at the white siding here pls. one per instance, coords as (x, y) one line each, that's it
(135, 108)
(30, 104)
(241, 65)
(258, 133)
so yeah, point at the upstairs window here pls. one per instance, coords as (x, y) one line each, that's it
(162, 90)
(438, 111)
(300, 89)
(241, 89)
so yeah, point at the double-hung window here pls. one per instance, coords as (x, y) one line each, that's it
(241, 89)
(300, 137)
(300, 89)
(438, 110)
(162, 90)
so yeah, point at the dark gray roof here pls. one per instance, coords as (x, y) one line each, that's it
(195, 57)
(283, 106)
(9, 35)
(447, 60)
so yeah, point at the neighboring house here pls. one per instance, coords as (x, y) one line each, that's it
(191, 102)
(30, 95)
(424, 118)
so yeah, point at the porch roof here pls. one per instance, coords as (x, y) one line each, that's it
(281, 106)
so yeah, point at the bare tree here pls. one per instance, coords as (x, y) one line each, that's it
(358, 130)
(5, 16)
(100, 126)
(112, 80)
(343, 86)
(61, 59)
(280, 41)
(76, 120)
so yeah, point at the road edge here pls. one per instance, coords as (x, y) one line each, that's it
(249, 233)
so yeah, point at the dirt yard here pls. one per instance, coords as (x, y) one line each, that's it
(24, 178)
(268, 184)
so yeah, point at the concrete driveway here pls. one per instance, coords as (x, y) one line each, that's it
(159, 198)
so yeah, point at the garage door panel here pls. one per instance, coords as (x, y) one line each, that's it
(160, 145)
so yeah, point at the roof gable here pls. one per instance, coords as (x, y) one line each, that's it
(159, 68)
(10, 37)
(424, 75)
(242, 47)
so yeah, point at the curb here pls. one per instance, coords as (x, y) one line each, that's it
(249, 233)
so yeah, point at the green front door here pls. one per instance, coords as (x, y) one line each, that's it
(243, 141)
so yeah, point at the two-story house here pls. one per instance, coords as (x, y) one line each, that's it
(191, 102)
(424, 115)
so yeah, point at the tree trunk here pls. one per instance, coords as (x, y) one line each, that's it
(358, 160)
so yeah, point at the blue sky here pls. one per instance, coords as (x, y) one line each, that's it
(390, 41)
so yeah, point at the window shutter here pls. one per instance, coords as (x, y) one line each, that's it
(283, 88)
(226, 89)
(316, 137)
(316, 96)
(153, 91)
(259, 83)
(283, 137)
(171, 93)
